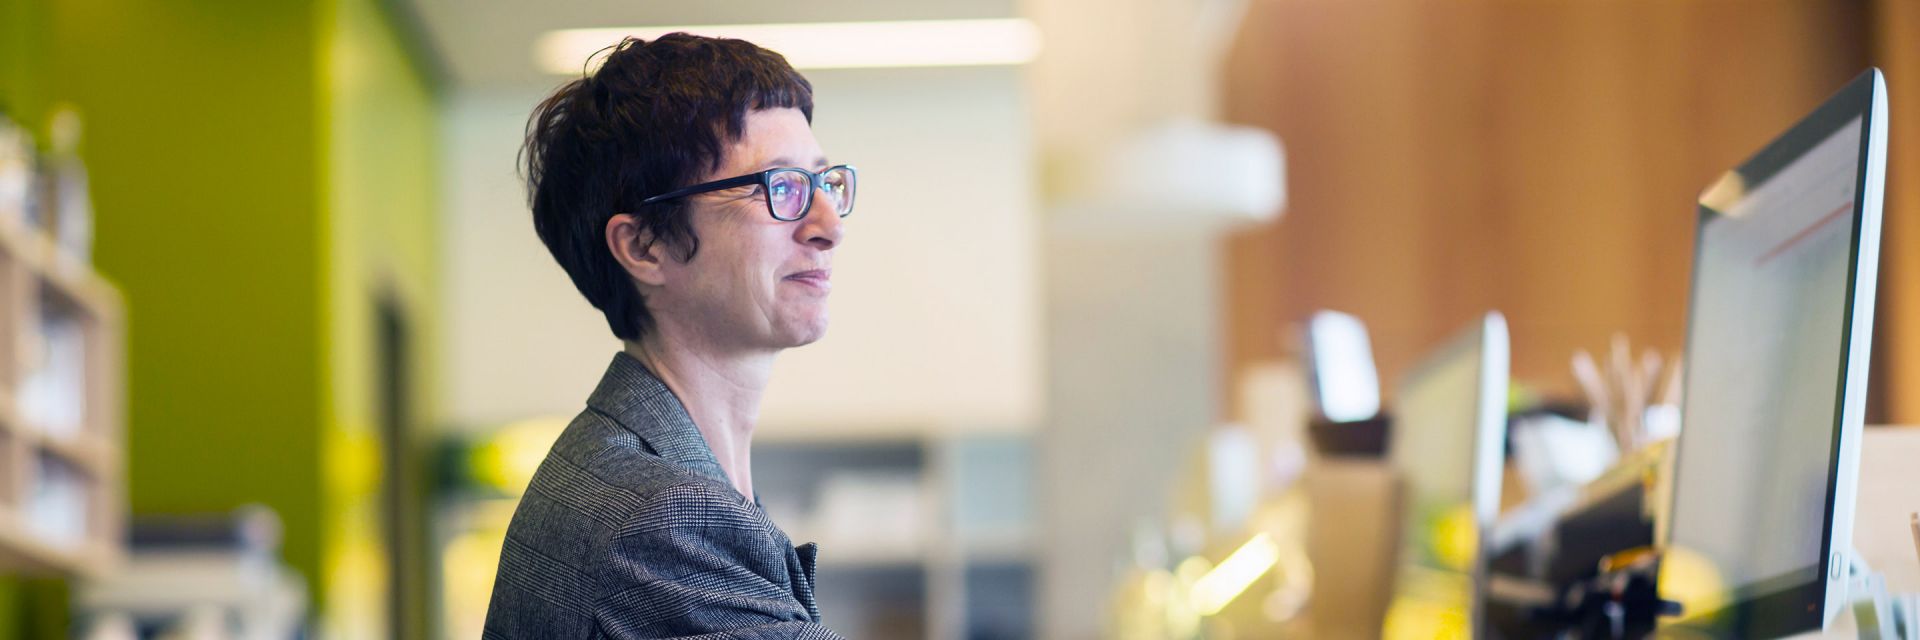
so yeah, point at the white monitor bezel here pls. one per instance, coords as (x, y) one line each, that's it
(1488, 338)
(1863, 98)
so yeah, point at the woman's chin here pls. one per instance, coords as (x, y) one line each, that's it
(800, 332)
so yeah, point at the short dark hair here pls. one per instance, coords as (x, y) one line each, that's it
(655, 117)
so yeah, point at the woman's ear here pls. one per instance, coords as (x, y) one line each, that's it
(633, 247)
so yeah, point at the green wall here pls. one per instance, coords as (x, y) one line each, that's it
(25, 606)
(203, 148)
(382, 193)
(260, 170)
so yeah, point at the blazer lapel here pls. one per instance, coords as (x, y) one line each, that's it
(639, 401)
(800, 563)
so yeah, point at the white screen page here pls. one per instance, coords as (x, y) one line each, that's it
(1764, 358)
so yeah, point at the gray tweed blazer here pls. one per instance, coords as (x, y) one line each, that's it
(630, 530)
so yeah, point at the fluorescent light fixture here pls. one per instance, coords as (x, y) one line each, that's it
(1215, 590)
(826, 45)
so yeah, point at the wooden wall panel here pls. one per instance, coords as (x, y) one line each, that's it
(1540, 158)
(1896, 32)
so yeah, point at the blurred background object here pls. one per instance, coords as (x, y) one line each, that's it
(216, 576)
(1067, 370)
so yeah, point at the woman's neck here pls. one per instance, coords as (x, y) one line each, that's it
(721, 393)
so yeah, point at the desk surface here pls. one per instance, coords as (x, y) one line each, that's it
(1889, 495)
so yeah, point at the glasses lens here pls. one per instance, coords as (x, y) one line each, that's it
(839, 187)
(789, 193)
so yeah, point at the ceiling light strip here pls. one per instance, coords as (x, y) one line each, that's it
(826, 45)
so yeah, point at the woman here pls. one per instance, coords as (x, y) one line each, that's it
(681, 188)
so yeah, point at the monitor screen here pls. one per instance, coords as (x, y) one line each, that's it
(1448, 442)
(1770, 355)
(1344, 380)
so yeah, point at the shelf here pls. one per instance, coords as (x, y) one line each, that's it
(74, 475)
(777, 436)
(89, 452)
(29, 553)
(861, 435)
(62, 274)
(1008, 547)
(970, 512)
(838, 557)
(15, 241)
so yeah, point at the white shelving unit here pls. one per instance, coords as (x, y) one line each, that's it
(61, 452)
(926, 536)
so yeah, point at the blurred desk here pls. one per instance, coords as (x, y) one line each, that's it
(1352, 539)
(1354, 530)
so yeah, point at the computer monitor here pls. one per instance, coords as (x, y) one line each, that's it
(1760, 523)
(1448, 443)
(1346, 386)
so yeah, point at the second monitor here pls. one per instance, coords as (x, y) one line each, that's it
(1448, 444)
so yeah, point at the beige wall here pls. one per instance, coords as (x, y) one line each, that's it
(936, 300)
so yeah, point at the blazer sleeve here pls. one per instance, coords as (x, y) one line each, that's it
(698, 563)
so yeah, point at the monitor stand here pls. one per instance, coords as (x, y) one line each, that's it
(1877, 613)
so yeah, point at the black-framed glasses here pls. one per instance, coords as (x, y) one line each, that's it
(788, 191)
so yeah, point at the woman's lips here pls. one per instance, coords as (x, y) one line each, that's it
(821, 279)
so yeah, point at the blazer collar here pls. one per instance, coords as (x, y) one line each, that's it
(639, 401)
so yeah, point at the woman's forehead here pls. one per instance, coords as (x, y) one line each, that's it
(774, 138)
